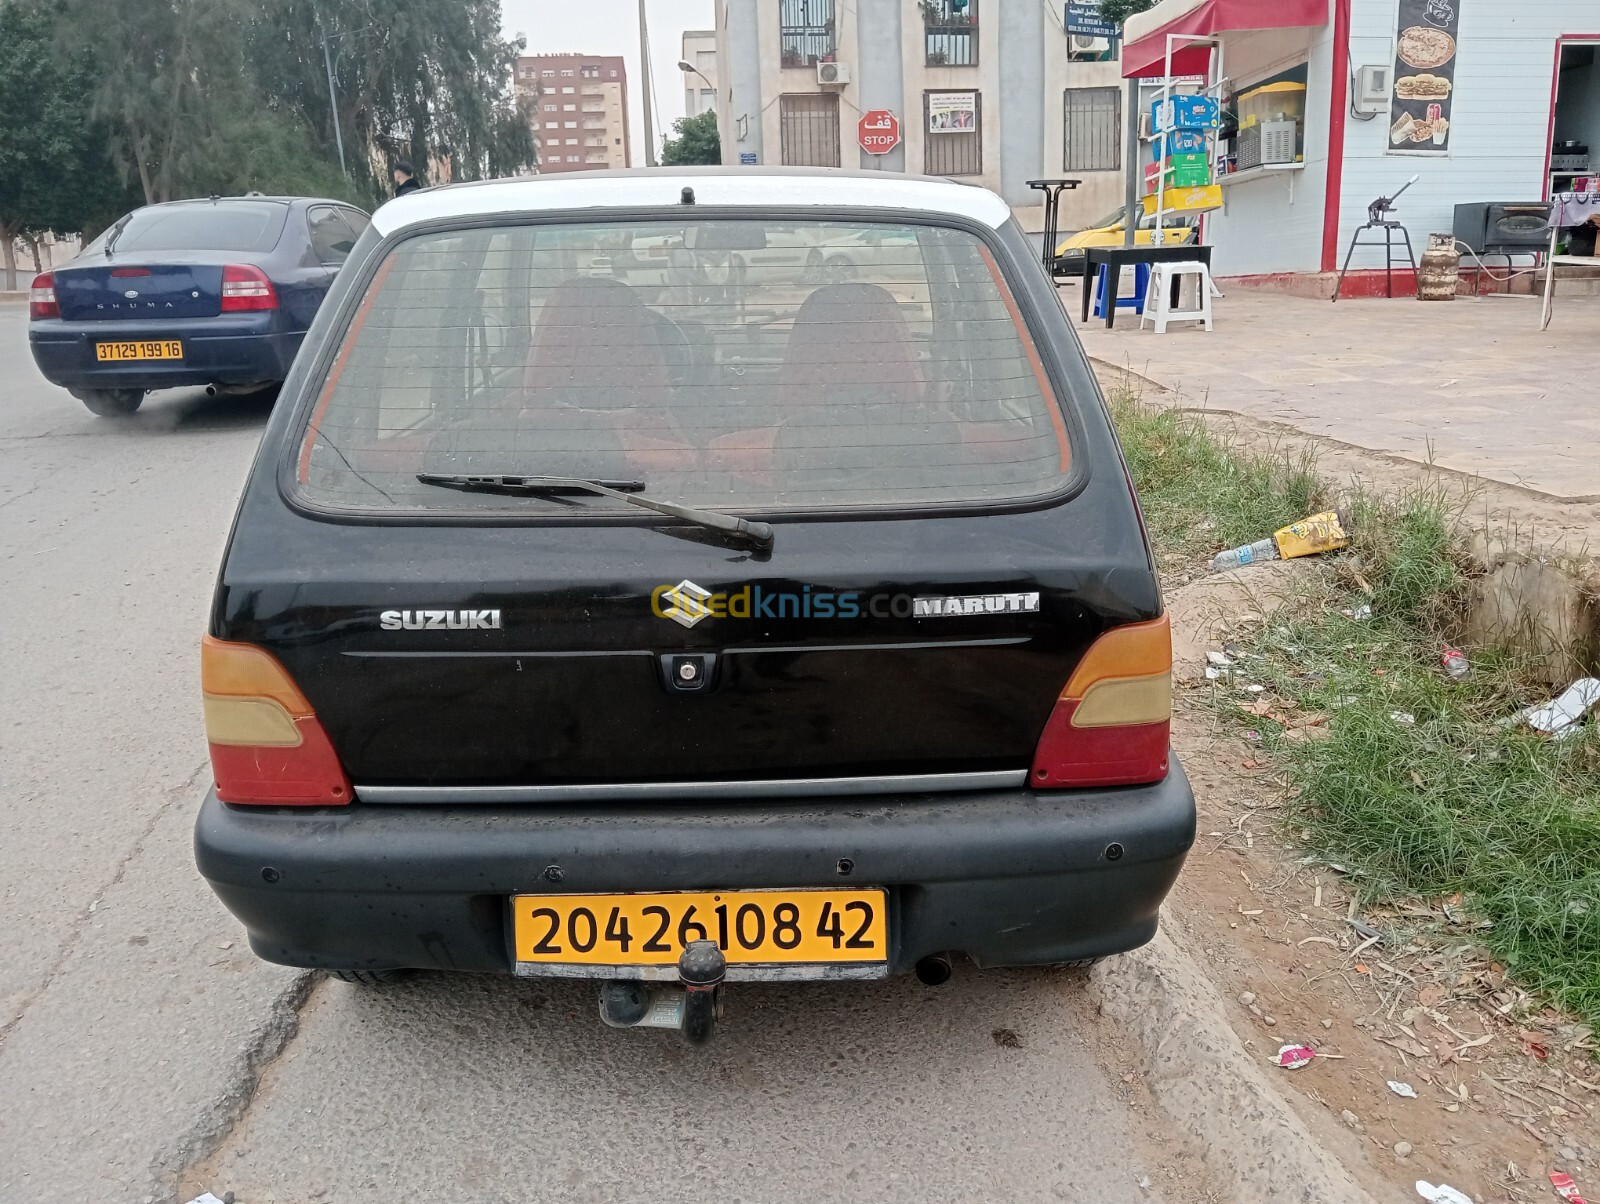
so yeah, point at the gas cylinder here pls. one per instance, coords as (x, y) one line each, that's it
(1440, 269)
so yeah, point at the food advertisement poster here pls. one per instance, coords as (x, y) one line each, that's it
(952, 112)
(1424, 77)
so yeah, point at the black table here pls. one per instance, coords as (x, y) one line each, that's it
(1052, 190)
(1114, 259)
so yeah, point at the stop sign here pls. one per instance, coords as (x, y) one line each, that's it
(878, 131)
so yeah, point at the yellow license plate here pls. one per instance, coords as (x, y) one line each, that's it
(155, 349)
(785, 926)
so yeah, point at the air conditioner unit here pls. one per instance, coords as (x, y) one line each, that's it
(1371, 93)
(1083, 44)
(833, 75)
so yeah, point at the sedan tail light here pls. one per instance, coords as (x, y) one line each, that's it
(267, 745)
(42, 297)
(1112, 723)
(246, 288)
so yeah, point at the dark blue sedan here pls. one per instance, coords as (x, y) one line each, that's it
(216, 292)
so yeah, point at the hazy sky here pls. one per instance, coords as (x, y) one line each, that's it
(612, 27)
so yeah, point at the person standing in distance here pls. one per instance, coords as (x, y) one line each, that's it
(405, 179)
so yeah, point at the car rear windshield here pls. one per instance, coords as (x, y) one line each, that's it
(732, 363)
(233, 226)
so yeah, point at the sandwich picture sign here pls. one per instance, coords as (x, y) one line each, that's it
(1424, 77)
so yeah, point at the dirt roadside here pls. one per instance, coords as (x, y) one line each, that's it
(1500, 1091)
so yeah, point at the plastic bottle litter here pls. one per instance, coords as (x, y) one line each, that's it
(1315, 533)
(1565, 1187)
(1441, 1193)
(1560, 717)
(1250, 553)
(1455, 662)
(1293, 1057)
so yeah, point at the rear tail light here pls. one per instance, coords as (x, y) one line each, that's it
(42, 297)
(267, 746)
(1112, 723)
(245, 288)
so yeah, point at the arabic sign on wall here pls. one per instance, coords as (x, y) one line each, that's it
(1083, 17)
(952, 112)
(1424, 77)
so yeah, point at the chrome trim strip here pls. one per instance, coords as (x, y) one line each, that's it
(911, 783)
(735, 650)
(765, 972)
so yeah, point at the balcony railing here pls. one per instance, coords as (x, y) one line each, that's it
(805, 32)
(950, 34)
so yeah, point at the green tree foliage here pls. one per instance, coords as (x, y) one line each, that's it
(696, 141)
(225, 96)
(1118, 11)
(428, 81)
(54, 171)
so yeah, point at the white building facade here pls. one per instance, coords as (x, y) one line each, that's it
(699, 85)
(991, 92)
(1511, 82)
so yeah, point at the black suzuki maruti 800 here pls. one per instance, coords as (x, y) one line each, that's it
(675, 577)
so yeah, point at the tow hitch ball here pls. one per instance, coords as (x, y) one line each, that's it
(691, 1006)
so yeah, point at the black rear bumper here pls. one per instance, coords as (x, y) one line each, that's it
(1007, 877)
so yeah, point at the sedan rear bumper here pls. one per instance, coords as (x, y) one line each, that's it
(228, 350)
(1008, 877)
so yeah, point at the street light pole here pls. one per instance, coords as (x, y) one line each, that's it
(333, 99)
(686, 67)
(649, 111)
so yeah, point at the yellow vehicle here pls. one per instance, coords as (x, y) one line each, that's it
(1109, 232)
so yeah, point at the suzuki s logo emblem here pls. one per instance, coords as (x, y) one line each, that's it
(131, 294)
(685, 603)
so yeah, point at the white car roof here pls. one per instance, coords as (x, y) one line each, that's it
(663, 187)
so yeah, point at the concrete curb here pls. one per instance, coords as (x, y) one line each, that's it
(1255, 1144)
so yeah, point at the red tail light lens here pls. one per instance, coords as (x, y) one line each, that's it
(246, 288)
(42, 297)
(1112, 723)
(267, 745)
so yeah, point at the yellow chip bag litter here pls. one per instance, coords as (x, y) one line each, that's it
(1315, 533)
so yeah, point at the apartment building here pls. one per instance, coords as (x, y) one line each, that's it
(578, 110)
(699, 85)
(994, 92)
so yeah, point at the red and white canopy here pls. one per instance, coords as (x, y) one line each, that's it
(1144, 49)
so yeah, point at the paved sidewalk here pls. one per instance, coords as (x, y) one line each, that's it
(1472, 383)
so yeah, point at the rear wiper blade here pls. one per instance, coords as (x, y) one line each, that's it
(631, 492)
(116, 233)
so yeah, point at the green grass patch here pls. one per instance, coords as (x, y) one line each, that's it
(1199, 494)
(1415, 783)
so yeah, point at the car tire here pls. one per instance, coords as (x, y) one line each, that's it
(110, 403)
(838, 270)
(368, 978)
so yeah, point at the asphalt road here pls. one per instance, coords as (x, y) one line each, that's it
(146, 1055)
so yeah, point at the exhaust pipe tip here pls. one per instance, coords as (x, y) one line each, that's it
(934, 970)
(211, 390)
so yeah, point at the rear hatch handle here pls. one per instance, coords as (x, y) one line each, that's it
(757, 533)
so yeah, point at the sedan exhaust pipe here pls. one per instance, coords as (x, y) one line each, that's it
(934, 970)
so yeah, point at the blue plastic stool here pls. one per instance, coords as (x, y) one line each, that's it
(1141, 284)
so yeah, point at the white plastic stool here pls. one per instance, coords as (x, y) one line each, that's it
(1158, 307)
